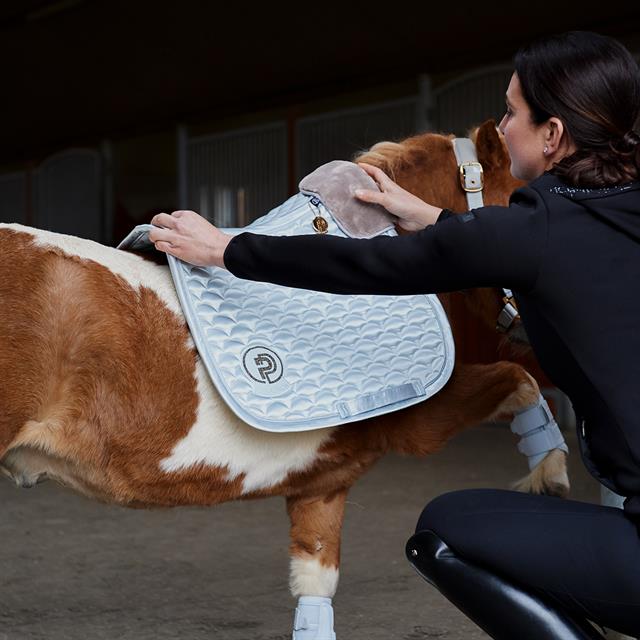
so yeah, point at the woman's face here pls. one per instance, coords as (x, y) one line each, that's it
(525, 140)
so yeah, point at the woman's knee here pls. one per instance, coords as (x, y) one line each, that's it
(436, 513)
(440, 513)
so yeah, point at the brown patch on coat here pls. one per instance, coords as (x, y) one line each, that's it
(97, 373)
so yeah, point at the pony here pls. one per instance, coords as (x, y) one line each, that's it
(104, 392)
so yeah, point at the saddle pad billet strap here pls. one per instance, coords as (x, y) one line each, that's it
(379, 399)
(540, 432)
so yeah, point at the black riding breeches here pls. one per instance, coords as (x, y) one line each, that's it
(584, 556)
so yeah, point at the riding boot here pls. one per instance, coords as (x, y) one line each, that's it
(501, 609)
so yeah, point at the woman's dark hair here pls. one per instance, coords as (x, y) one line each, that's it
(592, 83)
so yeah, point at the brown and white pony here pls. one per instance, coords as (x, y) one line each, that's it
(103, 391)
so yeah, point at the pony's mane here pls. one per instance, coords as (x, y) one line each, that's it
(385, 155)
(388, 155)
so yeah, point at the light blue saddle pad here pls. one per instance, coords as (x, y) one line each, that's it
(292, 360)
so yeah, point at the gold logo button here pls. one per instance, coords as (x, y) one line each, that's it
(320, 225)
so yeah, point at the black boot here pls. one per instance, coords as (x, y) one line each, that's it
(502, 610)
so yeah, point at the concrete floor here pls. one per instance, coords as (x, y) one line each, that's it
(72, 569)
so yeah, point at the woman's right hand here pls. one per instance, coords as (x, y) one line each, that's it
(189, 237)
(413, 213)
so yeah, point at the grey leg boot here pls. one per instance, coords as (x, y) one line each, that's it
(499, 608)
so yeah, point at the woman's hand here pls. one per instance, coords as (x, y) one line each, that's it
(190, 237)
(414, 213)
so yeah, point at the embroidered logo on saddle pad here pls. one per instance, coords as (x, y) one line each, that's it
(265, 371)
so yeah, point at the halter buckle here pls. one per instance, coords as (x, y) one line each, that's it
(508, 315)
(471, 177)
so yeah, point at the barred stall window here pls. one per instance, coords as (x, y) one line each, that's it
(471, 99)
(340, 135)
(238, 176)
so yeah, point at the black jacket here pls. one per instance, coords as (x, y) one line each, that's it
(571, 257)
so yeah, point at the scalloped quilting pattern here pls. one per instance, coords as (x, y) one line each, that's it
(317, 349)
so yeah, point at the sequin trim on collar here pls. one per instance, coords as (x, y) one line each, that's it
(601, 191)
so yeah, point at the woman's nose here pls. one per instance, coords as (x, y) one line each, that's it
(501, 125)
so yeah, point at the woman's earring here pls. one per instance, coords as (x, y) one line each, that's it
(545, 150)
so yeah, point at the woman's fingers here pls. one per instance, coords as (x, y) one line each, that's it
(376, 173)
(383, 181)
(366, 195)
(164, 220)
(166, 247)
(161, 234)
(189, 237)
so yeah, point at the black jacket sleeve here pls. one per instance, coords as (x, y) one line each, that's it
(444, 214)
(486, 247)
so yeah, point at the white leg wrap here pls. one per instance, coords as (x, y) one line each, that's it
(540, 432)
(313, 619)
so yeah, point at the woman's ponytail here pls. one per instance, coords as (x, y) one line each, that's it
(617, 163)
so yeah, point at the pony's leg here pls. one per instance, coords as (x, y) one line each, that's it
(477, 393)
(316, 527)
(548, 473)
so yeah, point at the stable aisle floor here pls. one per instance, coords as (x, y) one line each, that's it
(72, 569)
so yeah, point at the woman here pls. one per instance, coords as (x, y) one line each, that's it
(521, 566)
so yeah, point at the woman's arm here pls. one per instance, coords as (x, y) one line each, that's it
(490, 246)
(190, 237)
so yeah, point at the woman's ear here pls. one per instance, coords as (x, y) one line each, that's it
(555, 135)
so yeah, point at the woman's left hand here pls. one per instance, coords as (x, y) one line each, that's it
(190, 237)
(413, 213)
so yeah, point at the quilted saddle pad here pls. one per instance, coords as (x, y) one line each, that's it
(289, 359)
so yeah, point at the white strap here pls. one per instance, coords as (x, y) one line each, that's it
(377, 399)
(465, 151)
